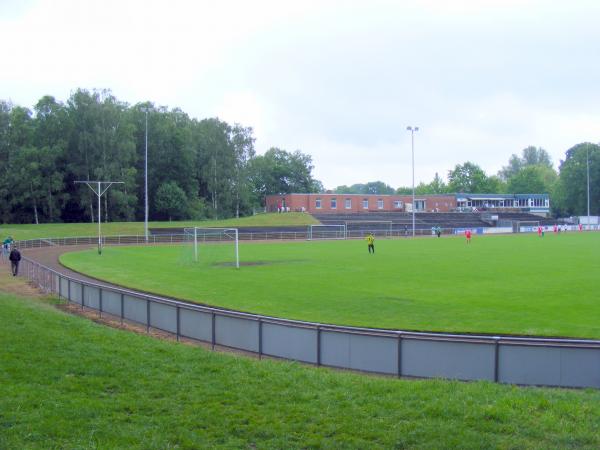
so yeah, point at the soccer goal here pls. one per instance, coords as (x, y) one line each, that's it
(525, 226)
(202, 239)
(359, 228)
(317, 232)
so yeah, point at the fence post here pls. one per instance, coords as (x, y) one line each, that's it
(178, 309)
(213, 337)
(147, 316)
(318, 345)
(260, 338)
(399, 355)
(68, 291)
(496, 357)
(82, 295)
(100, 301)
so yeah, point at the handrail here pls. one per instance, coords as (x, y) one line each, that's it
(430, 335)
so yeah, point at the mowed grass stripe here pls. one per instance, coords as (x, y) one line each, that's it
(66, 382)
(518, 284)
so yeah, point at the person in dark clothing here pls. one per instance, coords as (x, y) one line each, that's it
(15, 258)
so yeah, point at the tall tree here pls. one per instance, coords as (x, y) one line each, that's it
(532, 179)
(572, 199)
(467, 178)
(282, 172)
(242, 140)
(531, 156)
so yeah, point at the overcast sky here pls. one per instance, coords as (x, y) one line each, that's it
(337, 80)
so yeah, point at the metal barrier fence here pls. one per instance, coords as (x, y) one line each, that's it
(503, 359)
(182, 238)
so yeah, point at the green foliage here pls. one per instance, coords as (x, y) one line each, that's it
(94, 136)
(532, 179)
(67, 382)
(437, 186)
(282, 172)
(546, 287)
(532, 156)
(572, 191)
(372, 187)
(171, 201)
(468, 178)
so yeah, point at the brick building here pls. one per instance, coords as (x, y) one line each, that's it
(360, 203)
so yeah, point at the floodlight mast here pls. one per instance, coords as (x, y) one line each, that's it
(588, 188)
(412, 135)
(146, 110)
(99, 189)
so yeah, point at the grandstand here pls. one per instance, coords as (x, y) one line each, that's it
(396, 223)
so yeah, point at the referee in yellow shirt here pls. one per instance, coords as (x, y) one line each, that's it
(371, 242)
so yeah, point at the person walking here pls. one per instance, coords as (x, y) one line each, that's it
(15, 258)
(6, 247)
(371, 243)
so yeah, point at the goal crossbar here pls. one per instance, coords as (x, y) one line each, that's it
(326, 231)
(525, 223)
(200, 234)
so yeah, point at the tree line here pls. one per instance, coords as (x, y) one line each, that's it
(208, 168)
(530, 173)
(196, 168)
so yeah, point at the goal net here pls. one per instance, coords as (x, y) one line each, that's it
(213, 246)
(317, 232)
(525, 226)
(360, 228)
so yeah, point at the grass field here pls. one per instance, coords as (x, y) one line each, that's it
(67, 382)
(516, 284)
(32, 231)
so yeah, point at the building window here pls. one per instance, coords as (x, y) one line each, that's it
(318, 203)
(379, 203)
(397, 204)
(419, 205)
(348, 203)
(366, 203)
(333, 203)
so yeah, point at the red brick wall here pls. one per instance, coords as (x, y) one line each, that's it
(308, 202)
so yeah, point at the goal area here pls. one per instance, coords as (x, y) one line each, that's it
(211, 245)
(525, 226)
(320, 232)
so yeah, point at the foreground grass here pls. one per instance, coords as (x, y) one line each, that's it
(517, 284)
(32, 231)
(66, 382)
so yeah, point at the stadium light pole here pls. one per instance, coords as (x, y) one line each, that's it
(145, 110)
(412, 139)
(588, 187)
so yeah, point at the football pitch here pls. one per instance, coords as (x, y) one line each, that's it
(514, 284)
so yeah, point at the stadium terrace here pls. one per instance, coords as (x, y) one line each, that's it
(360, 203)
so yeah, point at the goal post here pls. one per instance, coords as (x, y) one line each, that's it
(198, 236)
(319, 232)
(362, 227)
(525, 226)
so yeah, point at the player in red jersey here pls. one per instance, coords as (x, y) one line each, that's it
(468, 236)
